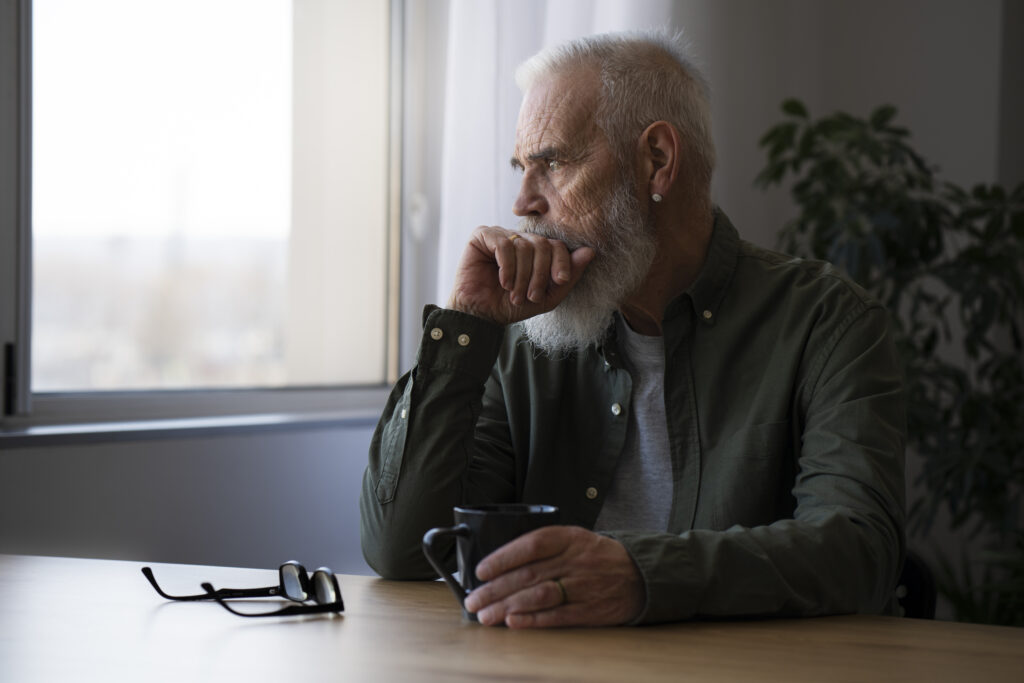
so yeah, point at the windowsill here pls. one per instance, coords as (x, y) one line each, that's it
(143, 430)
(111, 417)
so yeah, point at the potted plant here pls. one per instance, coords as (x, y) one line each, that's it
(949, 265)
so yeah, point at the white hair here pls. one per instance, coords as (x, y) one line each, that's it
(645, 77)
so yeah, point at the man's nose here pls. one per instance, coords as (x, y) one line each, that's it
(531, 201)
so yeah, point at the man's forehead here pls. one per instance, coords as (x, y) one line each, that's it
(556, 112)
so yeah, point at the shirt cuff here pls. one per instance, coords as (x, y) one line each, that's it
(453, 341)
(666, 574)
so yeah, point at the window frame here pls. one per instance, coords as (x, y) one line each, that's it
(23, 410)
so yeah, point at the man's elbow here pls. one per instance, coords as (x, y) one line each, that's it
(391, 563)
(883, 548)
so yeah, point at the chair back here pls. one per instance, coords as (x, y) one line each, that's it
(915, 589)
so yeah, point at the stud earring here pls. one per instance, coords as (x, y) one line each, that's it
(656, 197)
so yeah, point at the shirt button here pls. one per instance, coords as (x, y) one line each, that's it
(707, 315)
(616, 409)
(404, 413)
(591, 493)
(463, 340)
(436, 333)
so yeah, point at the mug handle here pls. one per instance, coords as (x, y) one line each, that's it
(429, 539)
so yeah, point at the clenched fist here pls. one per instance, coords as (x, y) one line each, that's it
(506, 276)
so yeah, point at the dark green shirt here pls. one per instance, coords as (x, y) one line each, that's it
(785, 409)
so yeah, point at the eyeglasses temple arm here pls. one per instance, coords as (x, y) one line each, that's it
(338, 606)
(222, 592)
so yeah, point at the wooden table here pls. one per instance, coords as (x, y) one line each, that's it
(67, 619)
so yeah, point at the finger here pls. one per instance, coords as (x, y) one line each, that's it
(541, 277)
(507, 585)
(524, 270)
(561, 264)
(565, 615)
(491, 243)
(540, 596)
(539, 544)
(499, 243)
(579, 260)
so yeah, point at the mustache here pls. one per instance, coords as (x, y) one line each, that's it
(553, 231)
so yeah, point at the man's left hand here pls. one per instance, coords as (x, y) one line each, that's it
(601, 585)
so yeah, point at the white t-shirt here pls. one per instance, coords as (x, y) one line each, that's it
(640, 497)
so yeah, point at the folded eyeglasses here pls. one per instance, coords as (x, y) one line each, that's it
(295, 584)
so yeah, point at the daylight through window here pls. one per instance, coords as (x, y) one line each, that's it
(209, 193)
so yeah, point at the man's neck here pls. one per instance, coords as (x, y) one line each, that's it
(682, 250)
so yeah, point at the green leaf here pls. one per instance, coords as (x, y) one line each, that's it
(881, 117)
(795, 107)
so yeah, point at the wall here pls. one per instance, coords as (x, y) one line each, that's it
(937, 61)
(1011, 114)
(249, 500)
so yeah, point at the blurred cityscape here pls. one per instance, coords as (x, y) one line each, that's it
(209, 217)
(148, 312)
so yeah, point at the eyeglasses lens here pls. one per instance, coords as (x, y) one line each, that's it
(291, 579)
(323, 587)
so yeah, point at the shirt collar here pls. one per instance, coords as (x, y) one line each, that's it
(704, 297)
(706, 293)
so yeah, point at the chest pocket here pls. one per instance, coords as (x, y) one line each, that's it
(747, 478)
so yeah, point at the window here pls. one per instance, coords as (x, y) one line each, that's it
(211, 205)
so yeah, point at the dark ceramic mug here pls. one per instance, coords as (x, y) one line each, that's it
(480, 530)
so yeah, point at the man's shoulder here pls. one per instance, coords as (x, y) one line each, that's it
(799, 277)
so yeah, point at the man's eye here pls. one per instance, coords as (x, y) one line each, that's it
(554, 165)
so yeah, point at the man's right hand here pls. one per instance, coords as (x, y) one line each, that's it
(507, 276)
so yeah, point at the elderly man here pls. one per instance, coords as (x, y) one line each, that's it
(721, 426)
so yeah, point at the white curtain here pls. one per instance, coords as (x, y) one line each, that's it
(487, 40)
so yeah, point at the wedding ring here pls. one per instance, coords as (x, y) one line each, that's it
(513, 237)
(561, 589)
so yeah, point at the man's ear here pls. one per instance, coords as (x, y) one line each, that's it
(660, 154)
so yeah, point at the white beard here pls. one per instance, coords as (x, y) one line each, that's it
(625, 249)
